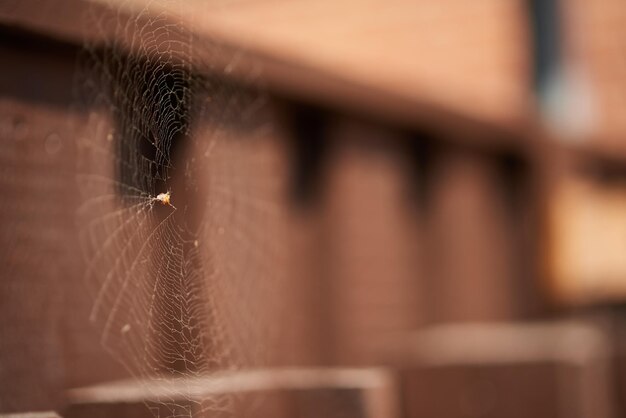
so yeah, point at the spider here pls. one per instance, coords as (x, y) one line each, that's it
(165, 199)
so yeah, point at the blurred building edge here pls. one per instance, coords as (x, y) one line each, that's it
(433, 199)
(565, 96)
(578, 78)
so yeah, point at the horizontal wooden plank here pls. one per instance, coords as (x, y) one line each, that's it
(259, 393)
(347, 54)
(413, 50)
(506, 342)
(508, 369)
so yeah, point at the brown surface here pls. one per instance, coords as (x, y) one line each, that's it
(372, 233)
(255, 248)
(34, 223)
(511, 391)
(508, 370)
(474, 245)
(46, 340)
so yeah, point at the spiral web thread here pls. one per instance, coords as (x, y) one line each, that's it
(180, 291)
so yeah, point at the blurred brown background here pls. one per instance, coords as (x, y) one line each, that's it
(380, 209)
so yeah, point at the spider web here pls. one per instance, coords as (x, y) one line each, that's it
(189, 289)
